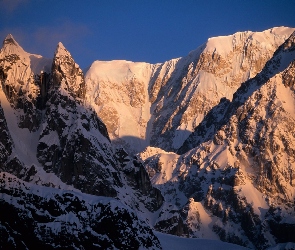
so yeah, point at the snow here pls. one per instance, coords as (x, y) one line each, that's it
(51, 139)
(111, 89)
(37, 63)
(109, 81)
(285, 94)
(171, 242)
(207, 221)
(109, 93)
(26, 187)
(224, 44)
(61, 50)
(119, 71)
(254, 197)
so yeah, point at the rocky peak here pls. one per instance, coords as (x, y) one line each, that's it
(19, 83)
(61, 48)
(66, 73)
(11, 47)
(10, 40)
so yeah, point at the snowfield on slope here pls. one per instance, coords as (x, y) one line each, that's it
(171, 242)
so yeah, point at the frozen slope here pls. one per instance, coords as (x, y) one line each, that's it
(34, 217)
(169, 242)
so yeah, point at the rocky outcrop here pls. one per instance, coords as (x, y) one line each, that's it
(222, 112)
(138, 178)
(6, 143)
(232, 179)
(67, 74)
(74, 143)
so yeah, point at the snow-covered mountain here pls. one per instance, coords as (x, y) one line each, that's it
(213, 134)
(161, 104)
(49, 138)
(234, 175)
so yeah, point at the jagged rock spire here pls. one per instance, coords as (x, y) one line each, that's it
(66, 73)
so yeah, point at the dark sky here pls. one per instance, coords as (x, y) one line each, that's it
(142, 30)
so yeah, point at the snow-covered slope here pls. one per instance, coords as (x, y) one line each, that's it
(170, 242)
(160, 105)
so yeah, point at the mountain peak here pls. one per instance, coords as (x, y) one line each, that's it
(60, 46)
(9, 40)
(10, 46)
(61, 50)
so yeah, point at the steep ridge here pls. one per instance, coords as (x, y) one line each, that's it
(236, 177)
(161, 104)
(64, 146)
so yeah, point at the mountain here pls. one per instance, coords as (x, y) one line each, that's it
(160, 104)
(200, 147)
(49, 138)
(234, 175)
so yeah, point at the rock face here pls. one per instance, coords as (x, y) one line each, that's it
(67, 74)
(118, 92)
(161, 104)
(233, 176)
